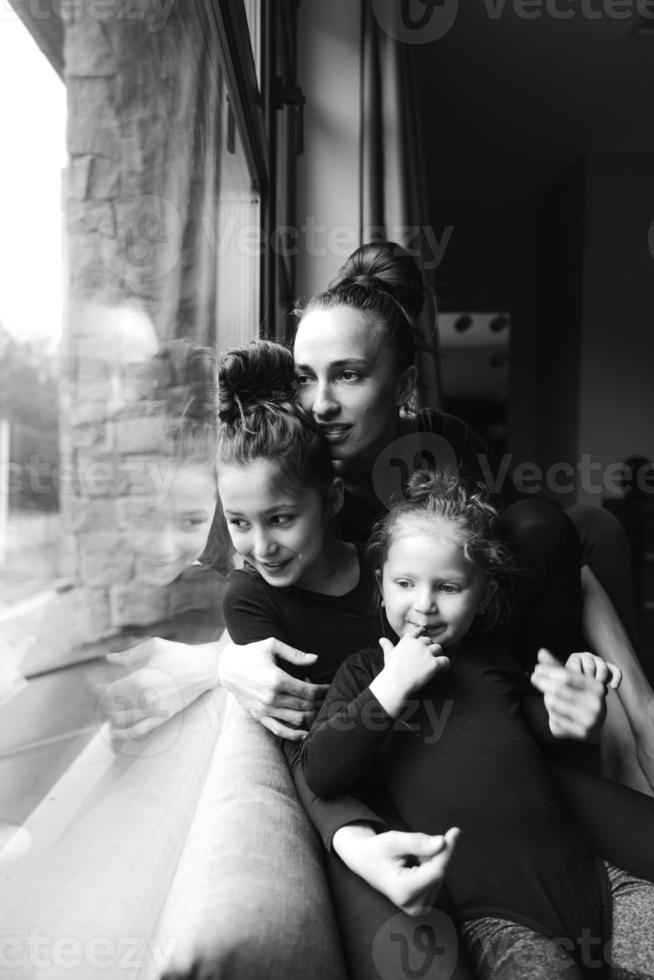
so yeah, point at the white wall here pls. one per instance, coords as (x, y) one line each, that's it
(328, 170)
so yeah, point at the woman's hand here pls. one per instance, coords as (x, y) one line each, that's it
(408, 868)
(575, 701)
(283, 704)
(407, 667)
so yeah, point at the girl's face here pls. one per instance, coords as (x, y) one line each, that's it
(171, 531)
(280, 531)
(427, 582)
(348, 380)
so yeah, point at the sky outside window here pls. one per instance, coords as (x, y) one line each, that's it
(32, 157)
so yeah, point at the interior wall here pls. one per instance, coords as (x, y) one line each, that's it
(617, 363)
(328, 198)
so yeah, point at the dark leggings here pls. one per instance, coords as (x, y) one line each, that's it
(505, 950)
(546, 597)
(382, 943)
(550, 547)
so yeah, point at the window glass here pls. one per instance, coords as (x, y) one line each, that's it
(253, 13)
(31, 559)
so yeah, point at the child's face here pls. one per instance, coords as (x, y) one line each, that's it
(280, 531)
(427, 582)
(171, 528)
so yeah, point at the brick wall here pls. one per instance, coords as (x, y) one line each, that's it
(142, 86)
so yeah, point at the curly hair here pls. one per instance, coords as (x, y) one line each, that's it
(443, 501)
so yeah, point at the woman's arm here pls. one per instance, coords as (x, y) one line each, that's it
(342, 748)
(607, 637)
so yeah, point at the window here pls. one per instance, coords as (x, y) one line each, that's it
(181, 142)
(33, 135)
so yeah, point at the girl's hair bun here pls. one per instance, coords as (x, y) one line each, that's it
(424, 483)
(185, 381)
(388, 267)
(254, 377)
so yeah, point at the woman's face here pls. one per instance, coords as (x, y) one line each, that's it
(348, 380)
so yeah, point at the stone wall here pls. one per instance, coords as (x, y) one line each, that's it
(144, 94)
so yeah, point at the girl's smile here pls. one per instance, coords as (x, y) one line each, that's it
(279, 530)
(428, 583)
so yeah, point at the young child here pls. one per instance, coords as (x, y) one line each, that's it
(450, 727)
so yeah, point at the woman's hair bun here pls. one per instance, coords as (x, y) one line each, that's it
(256, 376)
(388, 267)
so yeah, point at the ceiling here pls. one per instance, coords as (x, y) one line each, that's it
(509, 103)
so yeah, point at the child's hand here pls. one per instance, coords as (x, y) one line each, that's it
(575, 702)
(408, 868)
(407, 667)
(593, 666)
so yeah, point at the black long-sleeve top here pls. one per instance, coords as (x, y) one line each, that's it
(465, 753)
(331, 627)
